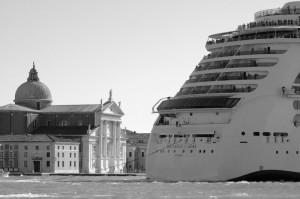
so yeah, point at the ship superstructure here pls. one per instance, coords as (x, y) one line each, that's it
(237, 117)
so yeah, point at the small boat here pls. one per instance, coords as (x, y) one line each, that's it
(4, 173)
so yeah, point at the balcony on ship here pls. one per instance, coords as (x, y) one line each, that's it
(252, 32)
(236, 88)
(220, 89)
(243, 75)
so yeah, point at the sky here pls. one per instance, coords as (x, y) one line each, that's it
(143, 50)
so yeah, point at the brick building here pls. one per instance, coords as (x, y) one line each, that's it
(95, 126)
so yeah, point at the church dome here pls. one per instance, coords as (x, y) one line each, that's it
(33, 93)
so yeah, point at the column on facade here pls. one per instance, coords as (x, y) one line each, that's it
(98, 150)
(114, 127)
(118, 139)
(105, 138)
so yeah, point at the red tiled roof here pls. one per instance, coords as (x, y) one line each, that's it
(14, 107)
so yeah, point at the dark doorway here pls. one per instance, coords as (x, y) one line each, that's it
(37, 166)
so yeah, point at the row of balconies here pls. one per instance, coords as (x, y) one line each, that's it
(246, 52)
(222, 65)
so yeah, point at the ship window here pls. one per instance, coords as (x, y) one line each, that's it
(266, 134)
(256, 133)
(296, 89)
(296, 104)
(280, 134)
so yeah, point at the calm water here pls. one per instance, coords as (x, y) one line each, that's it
(138, 187)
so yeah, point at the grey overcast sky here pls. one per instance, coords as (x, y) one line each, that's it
(143, 50)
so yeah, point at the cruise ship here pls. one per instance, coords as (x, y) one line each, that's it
(237, 116)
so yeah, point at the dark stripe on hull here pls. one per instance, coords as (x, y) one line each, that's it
(269, 175)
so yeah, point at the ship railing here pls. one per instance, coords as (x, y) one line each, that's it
(241, 65)
(252, 52)
(242, 77)
(253, 36)
(258, 52)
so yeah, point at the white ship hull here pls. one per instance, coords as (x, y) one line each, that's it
(257, 138)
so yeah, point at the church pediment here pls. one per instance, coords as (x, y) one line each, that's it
(112, 108)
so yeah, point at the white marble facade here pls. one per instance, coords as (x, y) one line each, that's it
(104, 148)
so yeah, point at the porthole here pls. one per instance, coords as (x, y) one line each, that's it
(243, 133)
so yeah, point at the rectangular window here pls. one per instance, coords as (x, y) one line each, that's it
(11, 147)
(57, 163)
(48, 147)
(48, 154)
(63, 163)
(70, 147)
(1, 154)
(130, 154)
(1, 163)
(1, 147)
(58, 154)
(74, 147)
(10, 163)
(63, 155)
(63, 147)
(36, 147)
(74, 155)
(25, 163)
(70, 163)
(74, 163)
(11, 154)
(48, 163)
(48, 123)
(25, 154)
(16, 147)
(58, 147)
(143, 154)
(70, 155)
(25, 147)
